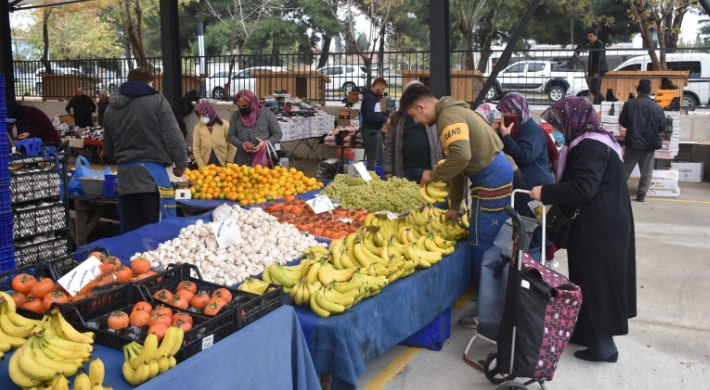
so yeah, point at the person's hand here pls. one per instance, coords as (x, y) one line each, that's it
(178, 172)
(388, 176)
(259, 145)
(497, 124)
(452, 215)
(23, 135)
(426, 178)
(248, 147)
(536, 193)
(506, 130)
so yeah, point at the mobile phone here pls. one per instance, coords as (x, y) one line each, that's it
(514, 119)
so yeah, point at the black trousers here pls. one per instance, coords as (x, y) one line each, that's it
(138, 210)
(595, 86)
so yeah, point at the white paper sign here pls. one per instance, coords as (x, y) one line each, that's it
(390, 215)
(227, 233)
(360, 168)
(320, 204)
(207, 342)
(345, 220)
(80, 276)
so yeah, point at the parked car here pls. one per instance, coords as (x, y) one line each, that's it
(539, 77)
(343, 77)
(695, 93)
(243, 79)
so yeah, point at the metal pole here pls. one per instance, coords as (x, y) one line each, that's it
(201, 53)
(505, 57)
(706, 6)
(169, 37)
(440, 39)
(6, 65)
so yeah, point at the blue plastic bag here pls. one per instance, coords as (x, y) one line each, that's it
(82, 169)
(29, 147)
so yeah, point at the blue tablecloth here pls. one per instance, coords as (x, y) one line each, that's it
(269, 354)
(212, 204)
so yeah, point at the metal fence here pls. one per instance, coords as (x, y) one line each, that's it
(544, 75)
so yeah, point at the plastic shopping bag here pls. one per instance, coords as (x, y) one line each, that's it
(83, 168)
(261, 158)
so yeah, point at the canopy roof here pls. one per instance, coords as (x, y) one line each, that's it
(17, 5)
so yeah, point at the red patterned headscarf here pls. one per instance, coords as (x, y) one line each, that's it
(515, 103)
(253, 101)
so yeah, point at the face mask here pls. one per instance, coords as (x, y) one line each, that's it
(245, 110)
(205, 120)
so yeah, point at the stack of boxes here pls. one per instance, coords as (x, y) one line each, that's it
(7, 245)
(348, 117)
(306, 127)
(610, 117)
(664, 184)
(671, 146)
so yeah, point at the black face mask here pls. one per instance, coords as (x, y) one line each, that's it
(245, 110)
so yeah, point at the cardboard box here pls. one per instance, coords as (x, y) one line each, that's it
(344, 122)
(665, 174)
(354, 122)
(344, 114)
(692, 172)
(656, 193)
(354, 114)
(383, 103)
(664, 184)
(615, 128)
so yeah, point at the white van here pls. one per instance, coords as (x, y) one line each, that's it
(697, 91)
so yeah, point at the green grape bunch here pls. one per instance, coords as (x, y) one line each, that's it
(396, 194)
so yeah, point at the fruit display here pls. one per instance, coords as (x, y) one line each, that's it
(248, 185)
(266, 241)
(358, 266)
(154, 357)
(53, 349)
(434, 192)
(431, 219)
(354, 193)
(339, 223)
(94, 380)
(188, 297)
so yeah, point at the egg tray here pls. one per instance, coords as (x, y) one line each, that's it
(34, 185)
(52, 249)
(249, 307)
(38, 220)
(90, 315)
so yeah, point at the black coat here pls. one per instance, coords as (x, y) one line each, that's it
(597, 59)
(83, 108)
(102, 105)
(601, 247)
(644, 121)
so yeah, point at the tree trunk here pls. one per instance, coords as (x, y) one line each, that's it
(135, 32)
(45, 38)
(467, 55)
(381, 51)
(672, 36)
(661, 45)
(274, 50)
(486, 48)
(325, 51)
(642, 21)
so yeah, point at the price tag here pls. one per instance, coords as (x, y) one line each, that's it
(360, 168)
(390, 215)
(345, 220)
(227, 233)
(320, 204)
(80, 276)
(207, 342)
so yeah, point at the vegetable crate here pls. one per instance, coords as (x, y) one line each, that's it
(52, 269)
(38, 220)
(249, 307)
(91, 314)
(38, 253)
(434, 334)
(34, 184)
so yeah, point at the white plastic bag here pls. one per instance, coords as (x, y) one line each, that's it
(221, 213)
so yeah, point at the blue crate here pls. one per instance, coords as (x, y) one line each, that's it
(5, 200)
(434, 334)
(111, 187)
(7, 259)
(6, 233)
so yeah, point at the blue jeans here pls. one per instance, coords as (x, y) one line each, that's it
(490, 192)
(414, 174)
(374, 147)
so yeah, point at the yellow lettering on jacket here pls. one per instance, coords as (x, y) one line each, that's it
(452, 133)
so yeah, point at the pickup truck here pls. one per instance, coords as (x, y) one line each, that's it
(537, 77)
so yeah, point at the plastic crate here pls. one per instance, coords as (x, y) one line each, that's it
(37, 220)
(249, 307)
(111, 186)
(5, 200)
(36, 270)
(29, 185)
(6, 230)
(7, 259)
(42, 252)
(90, 315)
(434, 334)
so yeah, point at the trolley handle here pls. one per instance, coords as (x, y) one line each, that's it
(544, 225)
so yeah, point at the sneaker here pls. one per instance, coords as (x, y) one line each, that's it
(470, 322)
(552, 264)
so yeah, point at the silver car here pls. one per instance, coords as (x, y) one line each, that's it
(243, 79)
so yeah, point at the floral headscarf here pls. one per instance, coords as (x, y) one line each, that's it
(207, 109)
(515, 103)
(489, 112)
(253, 101)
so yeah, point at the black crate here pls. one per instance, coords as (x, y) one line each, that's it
(38, 220)
(46, 251)
(90, 315)
(34, 184)
(249, 307)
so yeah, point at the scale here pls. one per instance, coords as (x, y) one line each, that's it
(182, 189)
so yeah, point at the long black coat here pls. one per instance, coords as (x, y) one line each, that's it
(601, 247)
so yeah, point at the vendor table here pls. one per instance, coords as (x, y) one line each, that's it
(204, 205)
(268, 354)
(79, 143)
(88, 214)
(343, 345)
(312, 145)
(342, 154)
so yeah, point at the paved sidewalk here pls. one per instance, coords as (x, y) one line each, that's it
(669, 342)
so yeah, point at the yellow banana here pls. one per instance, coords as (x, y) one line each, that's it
(332, 307)
(441, 243)
(430, 245)
(166, 346)
(324, 274)
(60, 382)
(82, 381)
(150, 347)
(341, 299)
(278, 275)
(342, 275)
(16, 318)
(254, 286)
(42, 359)
(349, 286)
(178, 342)
(368, 220)
(360, 255)
(32, 367)
(17, 375)
(296, 294)
(143, 373)
(425, 195)
(319, 249)
(11, 329)
(438, 184)
(369, 244)
(172, 361)
(60, 348)
(312, 276)
(163, 364)
(64, 329)
(15, 342)
(4, 347)
(266, 275)
(153, 368)
(435, 192)
(345, 260)
(321, 312)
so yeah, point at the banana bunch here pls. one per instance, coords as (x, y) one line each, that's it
(95, 379)
(287, 276)
(434, 192)
(55, 347)
(254, 286)
(330, 300)
(431, 220)
(144, 362)
(14, 328)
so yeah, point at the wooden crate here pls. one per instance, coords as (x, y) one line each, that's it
(63, 86)
(465, 84)
(306, 84)
(625, 81)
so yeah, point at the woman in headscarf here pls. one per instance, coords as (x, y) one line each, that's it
(251, 127)
(527, 147)
(490, 113)
(601, 246)
(210, 139)
(410, 148)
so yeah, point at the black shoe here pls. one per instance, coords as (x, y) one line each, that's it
(610, 96)
(631, 95)
(640, 198)
(579, 340)
(675, 105)
(666, 83)
(587, 355)
(612, 110)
